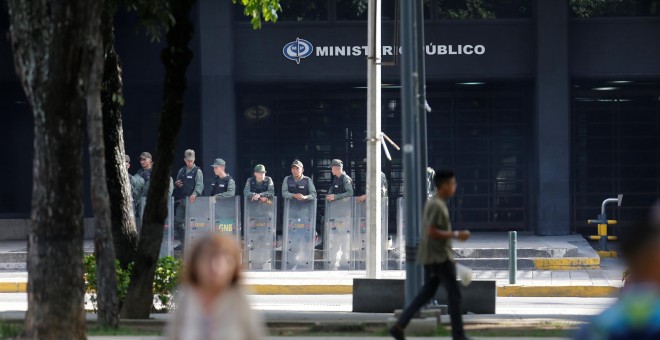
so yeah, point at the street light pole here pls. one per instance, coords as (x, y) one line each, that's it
(411, 144)
(374, 199)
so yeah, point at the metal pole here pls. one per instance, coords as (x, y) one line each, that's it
(412, 206)
(420, 92)
(513, 256)
(374, 205)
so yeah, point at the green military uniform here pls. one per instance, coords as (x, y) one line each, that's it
(249, 192)
(193, 183)
(312, 189)
(145, 189)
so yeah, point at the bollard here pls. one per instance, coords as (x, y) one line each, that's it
(513, 257)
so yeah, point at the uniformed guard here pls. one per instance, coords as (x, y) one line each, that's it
(383, 187)
(297, 186)
(259, 187)
(342, 185)
(189, 184)
(223, 185)
(146, 161)
(137, 185)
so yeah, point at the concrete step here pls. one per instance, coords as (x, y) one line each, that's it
(567, 250)
(566, 263)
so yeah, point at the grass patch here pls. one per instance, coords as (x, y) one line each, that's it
(9, 330)
(94, 330)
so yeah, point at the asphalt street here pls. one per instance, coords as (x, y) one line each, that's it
(342, 303)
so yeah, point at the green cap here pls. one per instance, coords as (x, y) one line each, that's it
(127, 158)
(297, 163)
(219, 162)
(260, 168)
(145, 155)
(337, 162)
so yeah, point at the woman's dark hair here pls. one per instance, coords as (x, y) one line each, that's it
(442, 177)
(636, 237)
(214, 243)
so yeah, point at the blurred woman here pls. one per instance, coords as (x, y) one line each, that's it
(213, 305)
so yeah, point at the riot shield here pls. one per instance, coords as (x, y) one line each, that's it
(227, 220)
(401, 233)
(260, 220)
(299, 227)
(166, 246)
(198, 221)
(339, 221)
(360, 236)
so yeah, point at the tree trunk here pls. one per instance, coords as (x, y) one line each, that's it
(124, 231)
(53, 55)
(106, 274)
(176, 57)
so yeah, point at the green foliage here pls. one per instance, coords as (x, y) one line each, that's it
(9, 330)
(166, 279)
(155, 16)
(259, 10)
(167, 276)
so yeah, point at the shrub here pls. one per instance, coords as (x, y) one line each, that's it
(167, 275)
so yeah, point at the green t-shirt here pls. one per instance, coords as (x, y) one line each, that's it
(436, 215)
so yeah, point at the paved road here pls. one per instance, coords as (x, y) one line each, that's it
(521, 306)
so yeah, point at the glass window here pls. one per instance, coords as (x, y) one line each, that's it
(614, 8)
(357, 9)
(308, 10)
(482, 9)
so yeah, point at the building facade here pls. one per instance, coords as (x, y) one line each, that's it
(543, 107)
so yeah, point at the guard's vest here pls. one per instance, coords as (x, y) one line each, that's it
(220, 185)
(145, 174)
(188, 180)
(338, 185)
(301, 187)
(258, 188)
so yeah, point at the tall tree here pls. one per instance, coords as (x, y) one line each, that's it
(124, 231)
(176, 57)
(54, 58)
(108, 302)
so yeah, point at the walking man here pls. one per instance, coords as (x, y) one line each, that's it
(189, 184)
(259, 187)
(137, 185)
(342, 185)
(223, 185)
(435, 255)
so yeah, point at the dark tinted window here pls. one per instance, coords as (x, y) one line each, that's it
(357, 9)
(614, 8)
(482, 9)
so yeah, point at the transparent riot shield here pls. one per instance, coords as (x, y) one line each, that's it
(227, 216)
(339, 221)
(167, 245)
(198, 219)
(401, 233)
(299, 228)
(260, 220)
(360, 236)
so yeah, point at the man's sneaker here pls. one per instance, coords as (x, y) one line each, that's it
(397, 333)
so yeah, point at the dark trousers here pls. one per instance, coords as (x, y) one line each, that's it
(434, 274)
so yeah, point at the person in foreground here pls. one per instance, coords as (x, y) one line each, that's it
(636, 313)
(213, 305)
(436, 256)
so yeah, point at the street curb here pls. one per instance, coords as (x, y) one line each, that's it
(556, 291)
(573, 263)
(13, 287)
(502, 291)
